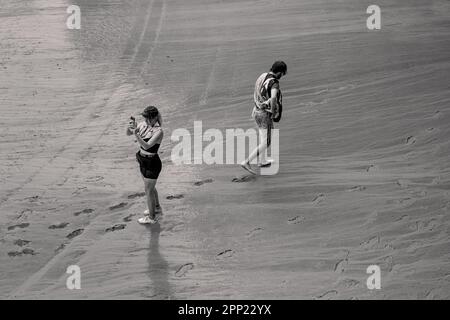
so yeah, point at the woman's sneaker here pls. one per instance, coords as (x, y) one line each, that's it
(147, 220)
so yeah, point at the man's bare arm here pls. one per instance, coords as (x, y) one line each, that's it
(273, 101)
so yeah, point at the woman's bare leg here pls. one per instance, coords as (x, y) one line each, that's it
(157, 205)
(150, 196)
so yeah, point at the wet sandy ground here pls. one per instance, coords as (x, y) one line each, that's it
(364, 176)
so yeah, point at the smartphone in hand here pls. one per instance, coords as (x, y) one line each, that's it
(132, 122)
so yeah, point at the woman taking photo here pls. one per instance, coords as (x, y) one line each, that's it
(149, 135)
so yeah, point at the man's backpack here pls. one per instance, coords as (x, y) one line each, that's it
(265, 92)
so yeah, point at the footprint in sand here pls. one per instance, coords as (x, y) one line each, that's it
(254, 232)
(372, 243)
(199, 183)
(32, 199)
(136, 195)
(296, 220)
(129, 217)
(372, 168)
(340, 266)
(175, 196)
(435, 294)
(403, 183)
(94, 179)
(318, 199)
(26, 251)
(21, 242)
(118, 206)
(349, 283)
(372, 217)
(85, 211)
(74, 234)
(436, 181)
(79, 190)
(405, 201)
(403, 218)
(21, 226)
(116, 227)
(437, 115)
(410, 140)
(245, 178)
(172, 227)
(60, 225)
(225, 254)
(357, 188)
(419, 193)
(327, 295)
(62, 246)
(181, 272)
(388, 263)
(427, 225)
(24, 213)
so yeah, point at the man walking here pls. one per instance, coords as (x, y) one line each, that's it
(267, 109)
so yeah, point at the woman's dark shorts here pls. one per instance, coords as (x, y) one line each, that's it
(150, 166)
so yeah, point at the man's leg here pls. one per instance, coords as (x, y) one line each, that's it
(260, 149)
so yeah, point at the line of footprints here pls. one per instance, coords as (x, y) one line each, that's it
(228, 253)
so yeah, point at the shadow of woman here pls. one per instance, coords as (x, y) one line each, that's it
(158, 268)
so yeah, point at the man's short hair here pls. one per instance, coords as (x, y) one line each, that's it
(279, 66)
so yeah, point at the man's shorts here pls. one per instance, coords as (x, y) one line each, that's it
(264, 120)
